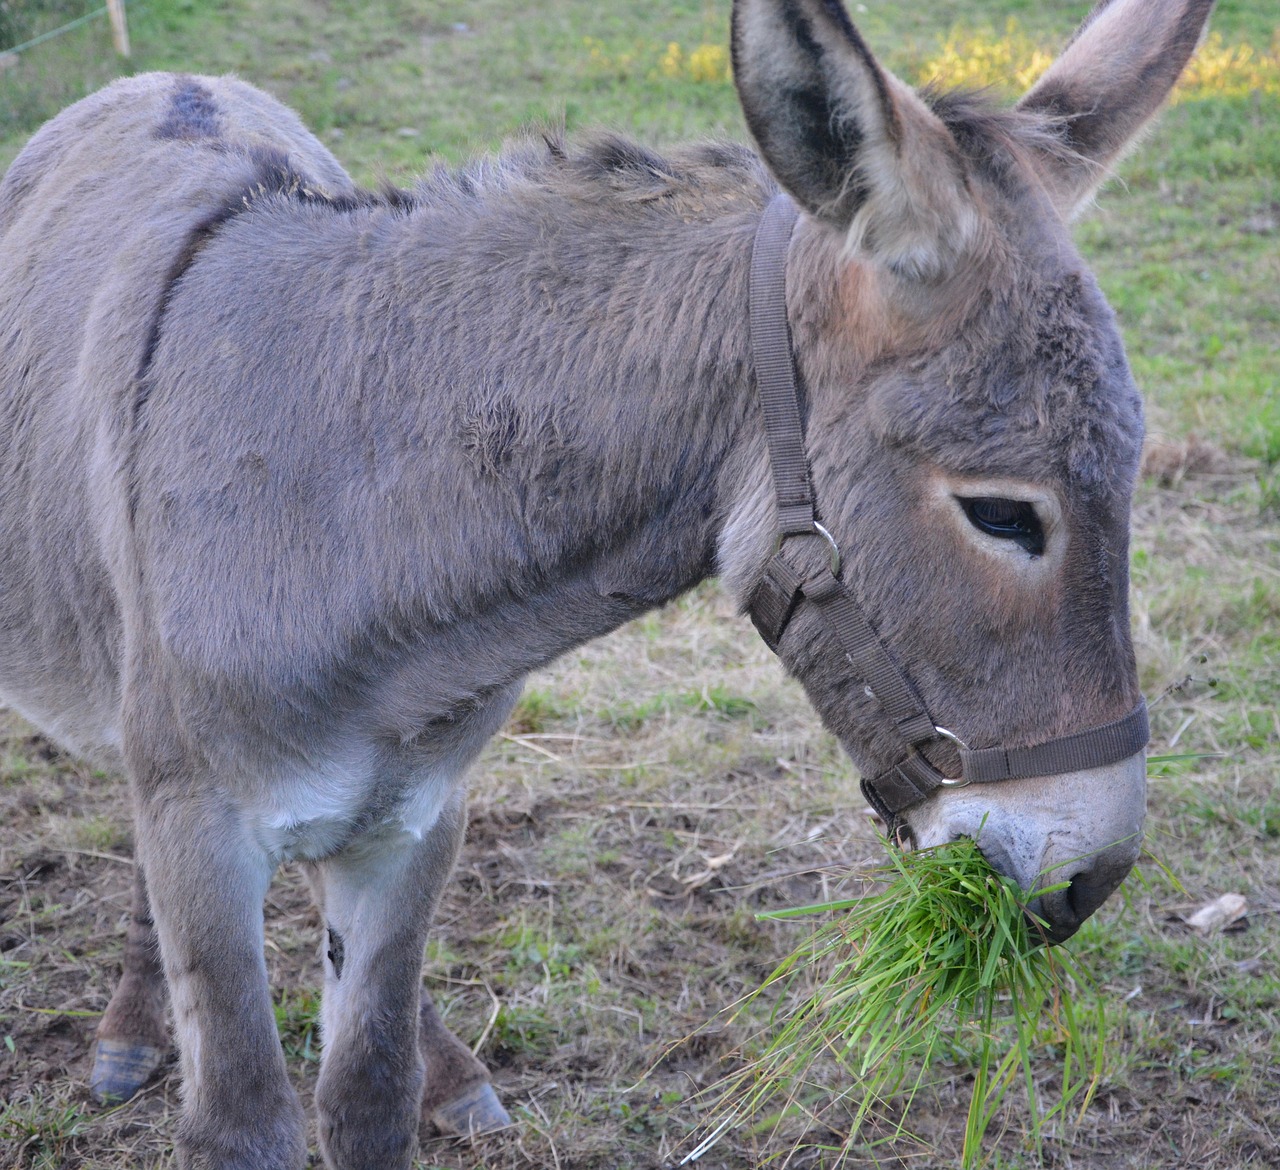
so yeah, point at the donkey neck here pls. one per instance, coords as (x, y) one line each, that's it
(580, 371)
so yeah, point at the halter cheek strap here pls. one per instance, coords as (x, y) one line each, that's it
(785, 584)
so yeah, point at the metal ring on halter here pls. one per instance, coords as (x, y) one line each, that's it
(942, 732)
(817, 530)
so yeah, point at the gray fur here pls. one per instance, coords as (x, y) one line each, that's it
(298, 482)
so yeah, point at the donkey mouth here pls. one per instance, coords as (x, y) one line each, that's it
(1080, 831)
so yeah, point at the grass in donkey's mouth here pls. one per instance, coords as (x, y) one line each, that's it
(943, 962)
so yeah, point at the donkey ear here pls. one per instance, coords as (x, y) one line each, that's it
(853, 145)
(1110, 80)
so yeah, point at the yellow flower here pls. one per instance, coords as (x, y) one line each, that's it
(672, 62)
(1223, 70)
(709, 63)
(976, 60)
(706, 63)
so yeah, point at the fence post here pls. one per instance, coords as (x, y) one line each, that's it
(119, 28)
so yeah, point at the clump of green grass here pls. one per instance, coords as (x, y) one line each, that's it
(943, 963)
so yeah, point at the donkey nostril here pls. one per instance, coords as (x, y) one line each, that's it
(1064, 911)
(1086, 894)
(1077, 896)
(1054, 917)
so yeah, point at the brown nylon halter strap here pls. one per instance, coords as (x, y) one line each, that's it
(1094, 748)
(775, 368)
(783, 584)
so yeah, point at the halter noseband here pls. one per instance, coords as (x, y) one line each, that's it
(784, 583)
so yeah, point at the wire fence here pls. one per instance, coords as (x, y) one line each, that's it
(11, 24)
(32, 42)
(52, 53)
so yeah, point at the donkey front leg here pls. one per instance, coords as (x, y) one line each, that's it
(378, 897)
(133, 1035)
(207, 879)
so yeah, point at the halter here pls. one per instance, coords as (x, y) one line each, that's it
(785, 584)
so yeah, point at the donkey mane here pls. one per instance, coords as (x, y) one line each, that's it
(694, 179)
(688, 181)
(702, 178)
(277, 178)
(999, 141)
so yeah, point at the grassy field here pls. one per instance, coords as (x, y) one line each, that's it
(657, 789)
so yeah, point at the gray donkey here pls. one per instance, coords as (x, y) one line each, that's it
(298, 482)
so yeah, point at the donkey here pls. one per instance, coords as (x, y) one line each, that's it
(299, 481)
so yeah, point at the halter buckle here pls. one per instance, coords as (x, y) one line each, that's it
(816, 530)
(943, 733)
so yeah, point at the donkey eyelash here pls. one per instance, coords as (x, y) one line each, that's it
(1014, 520)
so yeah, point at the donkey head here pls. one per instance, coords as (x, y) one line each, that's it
(972, 426)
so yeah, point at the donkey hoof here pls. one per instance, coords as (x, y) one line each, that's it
(477, 1111)
(120, 1069)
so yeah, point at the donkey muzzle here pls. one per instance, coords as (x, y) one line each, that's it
(1082, 828)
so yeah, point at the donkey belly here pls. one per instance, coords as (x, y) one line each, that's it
(59, 653)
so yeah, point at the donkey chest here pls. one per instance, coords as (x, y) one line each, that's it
(361, 784)
(308, 813)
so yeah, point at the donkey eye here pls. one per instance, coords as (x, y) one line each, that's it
(1006, 520)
